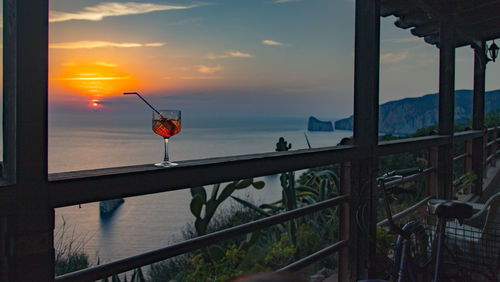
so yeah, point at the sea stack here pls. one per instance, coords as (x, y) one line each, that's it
(315, 124)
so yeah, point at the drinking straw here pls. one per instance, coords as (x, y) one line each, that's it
(139, 95)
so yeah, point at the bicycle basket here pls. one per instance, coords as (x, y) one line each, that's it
(472, 251)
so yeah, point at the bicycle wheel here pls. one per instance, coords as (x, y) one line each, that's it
(412, 256)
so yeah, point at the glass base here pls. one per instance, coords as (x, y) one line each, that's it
(166, 164)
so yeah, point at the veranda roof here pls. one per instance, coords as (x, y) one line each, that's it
(473, 20)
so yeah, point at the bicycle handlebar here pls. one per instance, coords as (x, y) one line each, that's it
(406, 171)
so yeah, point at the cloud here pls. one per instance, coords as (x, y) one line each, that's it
(201, 77)
(403, 40)
(112, 9)
(238, 54)
(230, 54)
(154, 44)
(390, 58)
(209, 70)
(93, 78)
(105, 64)
(273, 43)
(100, 44)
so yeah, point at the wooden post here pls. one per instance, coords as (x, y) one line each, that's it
(30, 223)
(468, 158)
(446, 106)
(478, 150)
(432, 177)
(366, 104)
(485, 150)
(493, 148)
(468, 162)
(345, 265)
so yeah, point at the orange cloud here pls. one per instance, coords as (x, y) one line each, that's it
(97, 79)
(101, 44)
(209, 70)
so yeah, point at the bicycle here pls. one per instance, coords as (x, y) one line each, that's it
(436, 253)
(411, 254)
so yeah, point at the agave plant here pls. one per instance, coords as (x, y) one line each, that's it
(319, 186)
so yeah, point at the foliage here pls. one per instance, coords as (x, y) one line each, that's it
(309, 240)
(280, 253)
(200, 201)
(464, 184)
(173, 269)
(492, 118)
(384, 246)
(218, 270)
(385, 241)
(137, 276)
(70, 255)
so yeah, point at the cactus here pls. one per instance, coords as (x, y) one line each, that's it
(200, 202)
(282, 145)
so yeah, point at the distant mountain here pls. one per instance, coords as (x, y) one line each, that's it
(407, 115)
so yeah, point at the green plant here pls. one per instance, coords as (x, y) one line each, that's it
(464, 184)
(280, 253)
(318, 185)
(200, 202)
(69, 254)
(220, 269)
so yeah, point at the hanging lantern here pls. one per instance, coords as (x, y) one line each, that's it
(493, 51)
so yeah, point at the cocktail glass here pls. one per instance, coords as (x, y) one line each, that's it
(166, 123)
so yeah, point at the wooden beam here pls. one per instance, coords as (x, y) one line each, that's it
(481, 12)
(366, 114)
(425, 30)
(413, 20)
(30, 224)
(423, 14)
(73, 188)
(446, 106)
(390, 7)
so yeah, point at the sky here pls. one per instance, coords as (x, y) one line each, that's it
(229, 57)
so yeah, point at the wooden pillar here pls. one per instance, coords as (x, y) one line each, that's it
(477, 150)
(366, 103)
(446, 106)
(30, 224)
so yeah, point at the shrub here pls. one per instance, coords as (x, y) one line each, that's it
(70, 255)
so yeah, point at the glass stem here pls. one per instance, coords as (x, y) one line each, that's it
(165, 157)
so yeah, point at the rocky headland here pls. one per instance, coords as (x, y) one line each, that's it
(407, 115)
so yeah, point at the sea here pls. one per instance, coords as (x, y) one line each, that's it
(154, 221)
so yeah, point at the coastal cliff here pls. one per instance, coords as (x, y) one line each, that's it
(407, 115)
(315, 124)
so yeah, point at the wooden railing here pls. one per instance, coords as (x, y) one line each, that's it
(95, 185)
